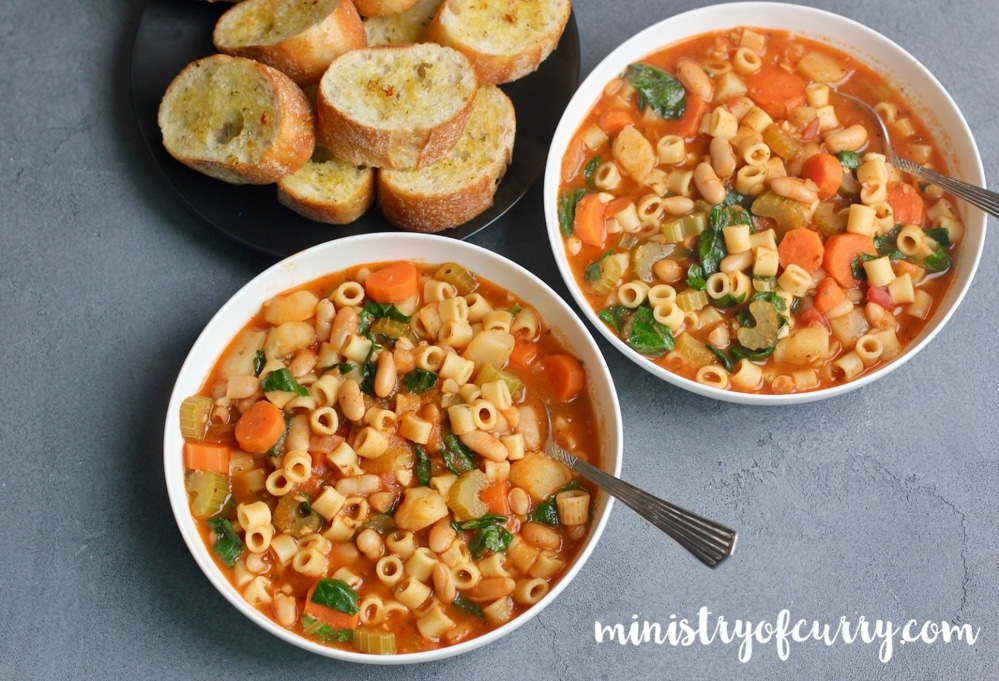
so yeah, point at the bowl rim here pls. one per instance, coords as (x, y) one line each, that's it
(340, 255)
(816, 24)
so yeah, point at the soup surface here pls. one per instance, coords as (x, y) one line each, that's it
(734, 220)
(364, 460)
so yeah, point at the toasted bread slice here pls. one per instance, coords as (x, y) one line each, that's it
(404, 27)
(377, 8)
(395, 106)
(503, 40)
(462, 184)
(327, 189)
(237, 120)
(299, 37)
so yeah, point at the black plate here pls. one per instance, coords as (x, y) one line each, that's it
(173, 33)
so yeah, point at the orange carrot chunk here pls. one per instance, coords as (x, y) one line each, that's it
(327, 615)
(828, 295)
(687, 125)
(802, 247)
(825, 171)
(615, 120)
(906, 204)
(206, 456)
(523, 355)
(393, 283)
(776, 90)
(840, 251)
(495, 497)
(566, 375)
(260, 427)
(588, 223)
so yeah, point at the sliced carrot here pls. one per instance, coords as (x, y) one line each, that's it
(523, 355)
(840, 251)
(588, 224)
(615, 206)
(906, 204)
(687, 125)
(206, 456)
(828, 295)
(495, 497)
(802, 247)
(393, 283)
(260, 427)
(776, 90)
(615, 120)
(566, 376)
(327, 615)
(826, 171)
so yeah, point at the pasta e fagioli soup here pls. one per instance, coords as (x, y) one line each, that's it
(362, 461)
(727, 217)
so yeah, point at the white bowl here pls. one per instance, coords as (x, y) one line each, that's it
(929, 98)
(338, 255)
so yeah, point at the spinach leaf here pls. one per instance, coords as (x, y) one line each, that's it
(615, 316)
(589, 170)
(546, 511)
(423, 469)
(695, 278)
(647, 336)
(480, 523)
(282, 380)
(939, 261)
(259, 359)
(722, 357)
(228, 546)
(457, 457)
(462, 603)
(336, 594)
(658, 91)
(567, 210)
(419, 381)
(592, 271)
(324, 632)
(849, 159)
(494, 538)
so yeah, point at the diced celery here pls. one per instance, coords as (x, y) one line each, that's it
(463, 496)
(694, 223)
(691, 300)
(489, 373)
(673, 231)
(828, 220)
(781, 142)
(194, 413)
(458, 276)
(374, 641)
(787, 213)
(611, 270)
(694, 351)
(209, 492)
(647, 255)
(392, 328)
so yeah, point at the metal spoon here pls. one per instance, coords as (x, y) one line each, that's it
(709, 541)
(976, 196)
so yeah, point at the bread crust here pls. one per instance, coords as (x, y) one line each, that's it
(455, 189)
(328, 191)
(277, 139)
(377, 8)
(411, 135)
(470, 26)
(304, 56)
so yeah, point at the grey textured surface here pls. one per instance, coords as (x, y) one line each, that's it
(878, 505)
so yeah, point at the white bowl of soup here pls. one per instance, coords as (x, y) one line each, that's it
(729, 223)
(352, 448)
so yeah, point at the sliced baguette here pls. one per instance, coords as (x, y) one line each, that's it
(237, 120)
(327, 189)
(404, 27)
(377, 8)
(461, 185)
(503, 40)
(299, 37)
(395, 106)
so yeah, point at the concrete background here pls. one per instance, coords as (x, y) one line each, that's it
(878, 505)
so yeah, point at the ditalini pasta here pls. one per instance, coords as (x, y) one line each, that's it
(364, 460)
(727, 169)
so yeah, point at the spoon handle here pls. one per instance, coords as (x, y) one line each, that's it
(710, 541)
(973, 194)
